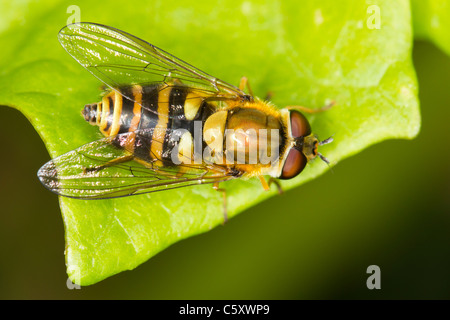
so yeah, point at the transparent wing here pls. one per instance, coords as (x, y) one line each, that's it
(104, 169)
(121, 59)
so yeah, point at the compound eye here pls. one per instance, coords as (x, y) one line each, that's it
(299, 125)
(294, 164)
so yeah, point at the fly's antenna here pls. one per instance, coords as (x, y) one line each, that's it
(326, 161)
(321, 156)
(326, 141)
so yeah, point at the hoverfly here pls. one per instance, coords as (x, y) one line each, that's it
(168, 124)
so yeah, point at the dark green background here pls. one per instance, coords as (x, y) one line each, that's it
(389, 206)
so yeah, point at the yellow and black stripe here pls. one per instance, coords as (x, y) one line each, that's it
(152, 117)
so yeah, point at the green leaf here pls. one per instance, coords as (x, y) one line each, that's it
(431, 20)
(305, 54)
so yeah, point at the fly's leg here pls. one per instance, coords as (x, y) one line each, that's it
(266, 185)
(244, 83)
(269, 96)
(224, 195)
(309, 110)
(277, 184)
(109, 164)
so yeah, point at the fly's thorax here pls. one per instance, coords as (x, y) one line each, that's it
(245, 135)
(253, 135)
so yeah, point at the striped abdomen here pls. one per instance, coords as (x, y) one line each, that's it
(159, 108)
